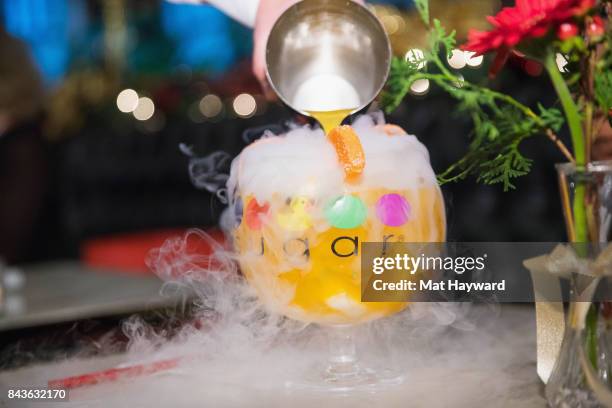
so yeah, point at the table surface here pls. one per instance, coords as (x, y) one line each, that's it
(491, 365)
(66, 291)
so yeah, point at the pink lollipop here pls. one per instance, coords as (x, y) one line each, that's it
(393, 210)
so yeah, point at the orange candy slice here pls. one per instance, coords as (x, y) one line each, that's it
(349, 150)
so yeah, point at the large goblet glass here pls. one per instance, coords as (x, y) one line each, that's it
(300, 223)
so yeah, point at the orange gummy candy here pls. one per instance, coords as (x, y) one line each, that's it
(349, 150)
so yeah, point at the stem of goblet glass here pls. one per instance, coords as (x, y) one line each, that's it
(342, 351)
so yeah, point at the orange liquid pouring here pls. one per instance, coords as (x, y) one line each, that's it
(330, 119)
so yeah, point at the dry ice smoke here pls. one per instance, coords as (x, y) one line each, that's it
(232, 324)
(303, 162)
(210, 172)
(235, 352)
(221, 293)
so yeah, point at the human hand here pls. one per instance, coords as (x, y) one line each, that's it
(267, 14)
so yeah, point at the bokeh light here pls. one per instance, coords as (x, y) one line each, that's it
(145, 109)
(244, 105)
(473, 60)
(419, 87)
(127, 100)
(390, 23)
(457, 59)
(416, 56)
(210, 106)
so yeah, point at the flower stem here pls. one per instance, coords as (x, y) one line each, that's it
(572, 115)
(560, 145)
(574, 123)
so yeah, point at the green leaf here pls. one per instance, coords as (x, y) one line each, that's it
(553, 118)
(438, 36)
(493, 155)
(402, 74)
(506, 166)
(422, 7)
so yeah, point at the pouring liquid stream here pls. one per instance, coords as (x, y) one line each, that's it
(330, 119)
(329, 98)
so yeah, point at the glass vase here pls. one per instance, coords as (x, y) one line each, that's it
(581, 375)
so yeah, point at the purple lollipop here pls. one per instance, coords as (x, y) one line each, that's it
(393, 210)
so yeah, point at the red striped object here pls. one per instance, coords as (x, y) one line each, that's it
(113, 374)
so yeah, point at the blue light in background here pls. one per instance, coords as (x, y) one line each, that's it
(43, 25)
(203, 36)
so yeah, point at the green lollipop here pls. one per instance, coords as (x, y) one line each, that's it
(346, 212)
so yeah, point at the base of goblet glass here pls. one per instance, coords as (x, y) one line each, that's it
(343, 372)
(319, 379)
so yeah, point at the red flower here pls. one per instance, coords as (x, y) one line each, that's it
(527, 19)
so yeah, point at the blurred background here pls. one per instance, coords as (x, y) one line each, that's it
(97, 95)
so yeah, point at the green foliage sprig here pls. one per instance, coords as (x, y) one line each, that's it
(500, 123)
(422, 7)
